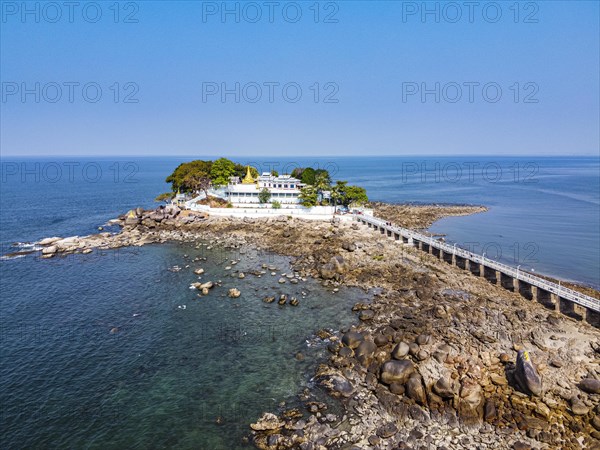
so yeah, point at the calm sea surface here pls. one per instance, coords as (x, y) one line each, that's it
(174, 362)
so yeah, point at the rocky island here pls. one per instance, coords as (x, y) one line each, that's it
(439, 358)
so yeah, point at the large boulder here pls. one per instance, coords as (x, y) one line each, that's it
(49, 240)
(526, 374)
(396, 371)
(333, 269)
(52, 249)
(132, 221)
(364, 352)
(415, 389)
(336, 383)
(352, 339)
(400, 350)
(470, 402)
(444, 387)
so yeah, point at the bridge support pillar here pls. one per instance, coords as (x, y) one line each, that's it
(482, 270)
(555, 301)
(593, 318)
(580, 311)
(420, 245)
(454, 260)
(498, 277)
(566, 307)
(515, 285)
(467, 265)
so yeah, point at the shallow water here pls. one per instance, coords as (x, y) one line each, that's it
(164, 377)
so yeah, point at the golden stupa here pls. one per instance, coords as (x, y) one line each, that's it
(248, 179)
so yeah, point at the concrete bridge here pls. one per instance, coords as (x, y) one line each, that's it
(551, 295)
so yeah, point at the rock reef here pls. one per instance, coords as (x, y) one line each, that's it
(439, 358)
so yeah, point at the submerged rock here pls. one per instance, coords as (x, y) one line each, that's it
(335, 382)
(234, 293)
(268, 422)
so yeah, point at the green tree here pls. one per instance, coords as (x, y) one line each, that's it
(338, 192)
(355, 195)
(308, 176)
(322, 182)
(275, 204)
(198, 182)
(264, 196)
(197, 168)
(346, 195)
(164, 197)
(221, 170)
(308, 196)
(322, 175)
(274, 173)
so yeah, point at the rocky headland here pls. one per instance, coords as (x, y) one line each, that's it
(439, 359)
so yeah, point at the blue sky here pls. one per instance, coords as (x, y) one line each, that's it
(532, 74)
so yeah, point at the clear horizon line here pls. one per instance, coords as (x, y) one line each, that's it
(411, 155)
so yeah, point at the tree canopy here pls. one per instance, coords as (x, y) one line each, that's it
(344, 194)
(221, 170)
(308, 196)
(264, 196)
(197, 168)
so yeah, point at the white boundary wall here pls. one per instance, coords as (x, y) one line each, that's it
(314, 213)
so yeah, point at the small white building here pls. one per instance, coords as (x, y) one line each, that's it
(284, 189)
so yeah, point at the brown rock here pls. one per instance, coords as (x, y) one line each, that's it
(590, 385)
(267, 422)
(352, 339)
(396, 371)
(444, 387)
(400, 350)
(388, 430)
(415, 389)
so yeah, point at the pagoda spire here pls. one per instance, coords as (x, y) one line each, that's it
(248, 179)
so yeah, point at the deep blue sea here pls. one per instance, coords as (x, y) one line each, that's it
(113, 350)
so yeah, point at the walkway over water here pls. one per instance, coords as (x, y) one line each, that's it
(530, 286)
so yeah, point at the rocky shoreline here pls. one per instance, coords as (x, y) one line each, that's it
(441, 359)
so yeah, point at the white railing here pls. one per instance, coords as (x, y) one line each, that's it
(561, 291)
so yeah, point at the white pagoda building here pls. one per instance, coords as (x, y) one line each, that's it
(283, 188)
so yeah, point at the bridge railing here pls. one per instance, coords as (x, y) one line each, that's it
(563, 292)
